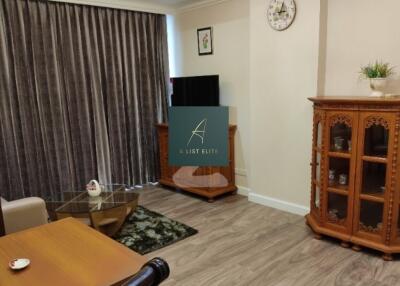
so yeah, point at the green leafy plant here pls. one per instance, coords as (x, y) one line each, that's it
(377, 70)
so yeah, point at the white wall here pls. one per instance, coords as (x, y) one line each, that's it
(283, 73)
(320, 53)
(230, 23)
(359, 32)
(266, 77)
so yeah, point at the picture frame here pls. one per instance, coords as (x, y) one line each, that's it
(205, 41)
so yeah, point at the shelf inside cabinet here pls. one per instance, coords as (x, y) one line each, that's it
(338, 189)
(375, 159)
(373, 184)
(373, 197)
(335, 154)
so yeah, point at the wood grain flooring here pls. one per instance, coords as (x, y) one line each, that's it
(243, 243)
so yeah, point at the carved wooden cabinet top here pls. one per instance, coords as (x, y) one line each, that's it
(393, 101)
(165, 125)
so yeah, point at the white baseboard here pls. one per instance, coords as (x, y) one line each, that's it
(241, 172)
(243, 191)
(278, 204)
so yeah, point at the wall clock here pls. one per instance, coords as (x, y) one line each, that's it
(281, 14)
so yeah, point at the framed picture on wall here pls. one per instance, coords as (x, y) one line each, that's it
(204, 41)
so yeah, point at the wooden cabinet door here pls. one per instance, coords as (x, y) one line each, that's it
(394, 199)
(375, 176)
(167, 171)
(339, 170)
(163, 146)
(317, 160)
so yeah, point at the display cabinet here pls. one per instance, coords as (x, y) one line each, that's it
(355, 172)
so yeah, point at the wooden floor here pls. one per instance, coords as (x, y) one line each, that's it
(243, 243)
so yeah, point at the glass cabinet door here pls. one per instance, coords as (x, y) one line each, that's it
(316, 163)
(340, 168)
(374, 169)
(397, 226)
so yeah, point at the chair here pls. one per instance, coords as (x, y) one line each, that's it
(24, 213)
(152, 274)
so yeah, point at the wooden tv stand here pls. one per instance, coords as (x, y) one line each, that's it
(189, 183)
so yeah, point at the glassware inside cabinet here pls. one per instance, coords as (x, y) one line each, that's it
(340, 138)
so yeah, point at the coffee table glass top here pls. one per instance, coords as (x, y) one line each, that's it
(80, 201)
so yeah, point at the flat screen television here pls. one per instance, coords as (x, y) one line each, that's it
(195, 91)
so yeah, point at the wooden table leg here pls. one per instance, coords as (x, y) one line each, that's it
(109, 221)
(317, 236)
(387, 257)
(345, 244)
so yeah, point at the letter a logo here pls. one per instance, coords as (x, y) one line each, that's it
(199, 131)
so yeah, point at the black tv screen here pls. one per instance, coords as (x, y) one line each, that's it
(195, 91)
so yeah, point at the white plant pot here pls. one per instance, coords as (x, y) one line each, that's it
(378, 86)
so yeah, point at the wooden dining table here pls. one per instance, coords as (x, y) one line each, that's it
(66, 252)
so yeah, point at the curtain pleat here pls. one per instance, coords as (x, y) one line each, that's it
(82, 88)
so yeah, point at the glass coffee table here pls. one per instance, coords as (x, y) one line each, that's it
(106, 212)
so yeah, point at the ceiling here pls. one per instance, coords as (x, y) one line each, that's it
(172, 3)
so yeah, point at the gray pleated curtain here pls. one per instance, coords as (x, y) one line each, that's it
(81, 89)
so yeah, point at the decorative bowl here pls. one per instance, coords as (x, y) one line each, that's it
(19, 263)
(93, 188)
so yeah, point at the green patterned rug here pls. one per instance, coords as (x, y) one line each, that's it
(145, 231)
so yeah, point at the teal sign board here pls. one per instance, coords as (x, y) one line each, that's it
(198, 136)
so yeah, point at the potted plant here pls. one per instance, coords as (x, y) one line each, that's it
(377, 74)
